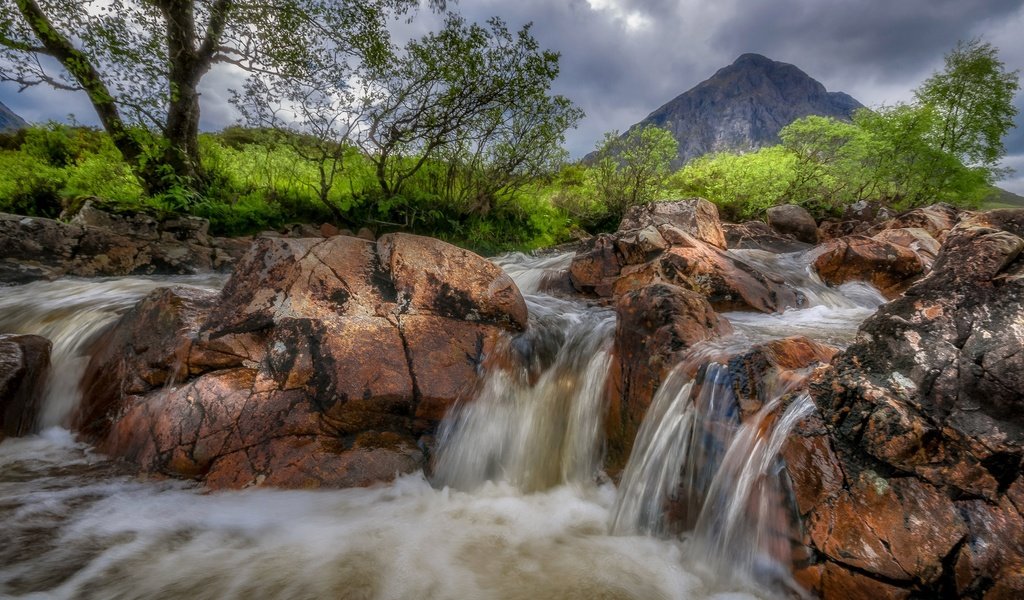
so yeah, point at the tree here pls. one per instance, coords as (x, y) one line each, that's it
(973, 97)
(632, 169)
(141, 62)
(473, 97)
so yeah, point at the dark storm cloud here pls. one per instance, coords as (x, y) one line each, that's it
(622, 59)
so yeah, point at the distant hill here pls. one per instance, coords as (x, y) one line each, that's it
(744, 106)
(10, 121)
(1000, 198)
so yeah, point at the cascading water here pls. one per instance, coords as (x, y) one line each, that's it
(539, 434)
(516, 506)
(70, 312)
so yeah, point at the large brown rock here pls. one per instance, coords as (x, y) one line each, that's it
(24, 364)
(431, 277)
(310, 368)
(656, 325)
(695, 216)
(909, 477)
(914, 238)
(887, 266)
(790, 219)
(936, 219)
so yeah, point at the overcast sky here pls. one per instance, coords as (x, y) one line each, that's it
(621, 59)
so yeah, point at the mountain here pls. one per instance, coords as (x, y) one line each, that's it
(10, 121)
(743, 107)
(1000, 198)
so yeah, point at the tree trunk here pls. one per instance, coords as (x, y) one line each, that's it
(187, 66)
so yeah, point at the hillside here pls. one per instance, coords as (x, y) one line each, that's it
(9, 121)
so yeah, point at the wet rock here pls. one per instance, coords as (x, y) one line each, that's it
(695, 216)
(432, 277)
(656, 325)
(24, 364)
(773, 369)
(790, 219)
(830, 230)
(727, 283)
(757, 235)
(920, 241)
(594, 271)
(936, 219)
(885, 265)
(310, 368)
(98, 244)
(921, 424)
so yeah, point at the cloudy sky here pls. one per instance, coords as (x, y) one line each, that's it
(621, 59)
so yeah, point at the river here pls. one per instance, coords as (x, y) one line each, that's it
(517, 507)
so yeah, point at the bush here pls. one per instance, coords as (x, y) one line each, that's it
(29, 186)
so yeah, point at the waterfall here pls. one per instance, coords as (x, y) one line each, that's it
(697, 469)
(538, 424)
(70, 313)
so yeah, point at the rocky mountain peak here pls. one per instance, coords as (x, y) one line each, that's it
(743, 106)
(9, 121)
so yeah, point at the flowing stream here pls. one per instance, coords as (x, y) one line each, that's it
(517, 506)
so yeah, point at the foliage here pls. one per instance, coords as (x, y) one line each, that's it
(632, 169)
(742, 185)
(473, 97)
(973, 99)
(140, 62)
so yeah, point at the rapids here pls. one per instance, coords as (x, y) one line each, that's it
(516, 506)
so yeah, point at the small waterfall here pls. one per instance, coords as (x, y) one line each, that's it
(538, 424)
(70, 313)
(695, 468)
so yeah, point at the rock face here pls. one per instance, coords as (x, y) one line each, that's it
(656, 325)
(655, 248)
(887, 266)
(24, 363)
(97, 243)
(790, 219)
(744, 106)
(322, 363)
(909, 478)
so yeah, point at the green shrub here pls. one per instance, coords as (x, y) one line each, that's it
(29, 186)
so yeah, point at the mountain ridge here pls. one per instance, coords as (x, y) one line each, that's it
(743, 106)
(9, 120)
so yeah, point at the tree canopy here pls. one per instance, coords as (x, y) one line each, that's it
(141, 61)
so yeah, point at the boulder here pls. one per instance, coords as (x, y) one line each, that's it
(885, 265)
(830, 230)
(431, 277)
(920, 241)
(909, 475)
(24, 365)
(757, 235)
(656, 325)
(790, 219)
(727, 282)
(695, 216)
(322, 363)
(936, 219)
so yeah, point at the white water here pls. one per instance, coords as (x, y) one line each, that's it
(516, 510)
(69, 313)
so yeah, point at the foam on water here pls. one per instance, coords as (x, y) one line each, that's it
(72, 534)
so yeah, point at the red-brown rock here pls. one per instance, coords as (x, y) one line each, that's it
(308, 370)
(656, 325)
(885, 265)
(432, 277)
(695, 216)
